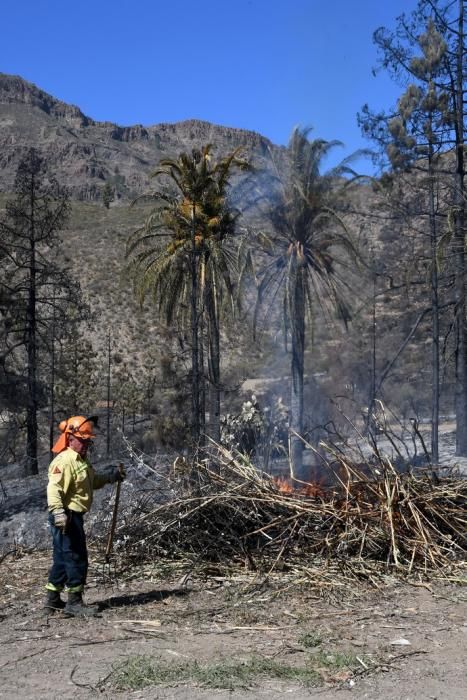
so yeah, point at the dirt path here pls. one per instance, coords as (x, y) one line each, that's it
(349, 644)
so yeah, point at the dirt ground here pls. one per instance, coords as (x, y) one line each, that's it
(400, 641)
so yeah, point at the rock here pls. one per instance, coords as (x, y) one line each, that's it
(84, 153)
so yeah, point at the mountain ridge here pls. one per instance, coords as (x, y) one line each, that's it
(85, 153)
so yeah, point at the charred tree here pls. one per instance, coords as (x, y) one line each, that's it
(419, 137)
(29, 230)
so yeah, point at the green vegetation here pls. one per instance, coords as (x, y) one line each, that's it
(138, 672)
(310, 640)
(183, 256)
(108, 195)
(142, 671)
(335, 660)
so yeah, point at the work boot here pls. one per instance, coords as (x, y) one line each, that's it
(53, 601)
(76, 608)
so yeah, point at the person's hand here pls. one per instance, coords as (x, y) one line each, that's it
(60, 520)
(117, 474)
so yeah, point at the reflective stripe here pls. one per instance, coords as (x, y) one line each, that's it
(52, 587)
(80, 468)
(75, 589)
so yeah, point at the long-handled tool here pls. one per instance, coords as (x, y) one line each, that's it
(114, 517)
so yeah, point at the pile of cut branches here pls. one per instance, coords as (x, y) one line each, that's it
(226, 513)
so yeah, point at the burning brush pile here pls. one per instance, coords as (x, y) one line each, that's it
(224, 514)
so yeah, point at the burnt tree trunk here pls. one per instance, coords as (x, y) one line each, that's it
(31, 466)
(434, 315)
(459, 253)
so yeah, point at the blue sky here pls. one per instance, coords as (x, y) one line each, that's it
(264, 65)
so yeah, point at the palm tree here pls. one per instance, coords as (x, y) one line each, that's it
(303, 267)
(184, 256)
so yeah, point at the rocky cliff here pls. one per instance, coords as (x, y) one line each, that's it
(85, 154)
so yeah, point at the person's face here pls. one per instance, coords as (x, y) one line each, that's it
(79, 445)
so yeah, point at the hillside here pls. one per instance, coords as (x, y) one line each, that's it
(84, 154)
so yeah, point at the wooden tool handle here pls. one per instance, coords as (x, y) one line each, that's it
(114, 516)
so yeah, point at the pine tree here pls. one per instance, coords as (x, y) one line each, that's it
(427, 50)
(108, 195)
(29, 232)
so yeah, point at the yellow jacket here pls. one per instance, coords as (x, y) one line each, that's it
(72, 481)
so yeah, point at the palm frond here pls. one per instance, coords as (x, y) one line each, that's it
(160, 250)
(308, 233)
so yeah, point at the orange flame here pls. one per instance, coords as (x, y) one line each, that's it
(285, 485)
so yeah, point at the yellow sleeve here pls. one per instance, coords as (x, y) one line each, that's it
(60, 478)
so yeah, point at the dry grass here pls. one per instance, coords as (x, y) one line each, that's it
(226, 514)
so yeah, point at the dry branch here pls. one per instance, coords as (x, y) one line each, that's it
(234, 515)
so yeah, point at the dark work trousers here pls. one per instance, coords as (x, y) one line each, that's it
(70, 554)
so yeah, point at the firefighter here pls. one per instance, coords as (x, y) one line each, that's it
(72, 481)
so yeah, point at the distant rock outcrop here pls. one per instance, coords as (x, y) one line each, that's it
(15, 90)
(84, 154)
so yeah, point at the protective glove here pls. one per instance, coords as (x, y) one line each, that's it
(60, 520)
(117, 474)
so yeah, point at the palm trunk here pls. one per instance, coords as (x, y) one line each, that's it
(195, 384)
(296, 398)
(202, 379)
(202, 343)
(214, 373)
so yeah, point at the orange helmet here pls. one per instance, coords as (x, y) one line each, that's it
(79, 426)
